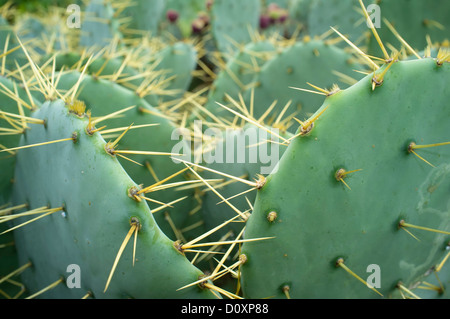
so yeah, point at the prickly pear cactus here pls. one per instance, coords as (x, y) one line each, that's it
(92, 205)
(9, 42)
(325, 13)
(421, 23)
(295, 67)
(100, 25)
(171, 68)
(277, 78)
(239, 73)
(248, 153)
(13, 101)
(154, 163)
(348, 98)
(145, 15)
(177, 62)
(233, 22)
(350, 185)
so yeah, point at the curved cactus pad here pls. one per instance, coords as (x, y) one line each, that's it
(94, 212)
(351, 189)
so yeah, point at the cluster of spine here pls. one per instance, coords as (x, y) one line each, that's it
(224, 149)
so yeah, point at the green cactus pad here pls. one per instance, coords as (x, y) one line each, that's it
(414, 20)
(233, 22)
(145, 15)
(436, 282)
(320, 219)
(7, 33)
(344, 15)
(94, 92)
(239, 74)
(244, 153)
(9, 104)
(99, 26)
(99, 66)
(293, 67)
(47, 32)
(177, 61)
(175, 64)
(93, 190)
